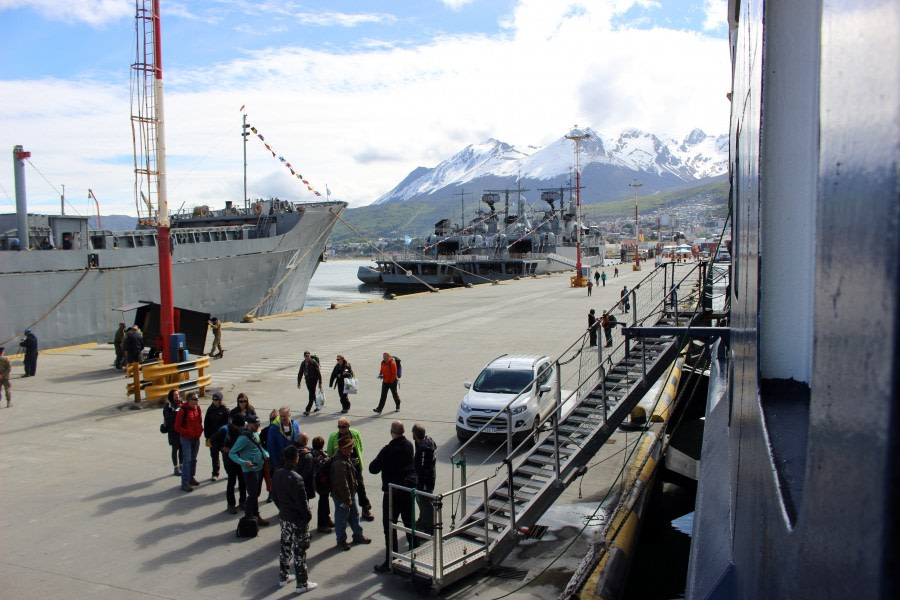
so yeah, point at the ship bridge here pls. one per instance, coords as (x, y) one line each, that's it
(596, 389)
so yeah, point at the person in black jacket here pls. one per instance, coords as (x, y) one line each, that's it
(426, 474)
(290, 497)
(341, 371)
(30, 345)
(396, 464)
(216, 417)
(134, 343)
(309, 368)
(173, 404)
(221, 441)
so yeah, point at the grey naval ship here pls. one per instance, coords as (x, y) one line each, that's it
(257, 259)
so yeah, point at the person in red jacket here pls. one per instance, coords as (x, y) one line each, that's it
(388, 377)
(189, 426)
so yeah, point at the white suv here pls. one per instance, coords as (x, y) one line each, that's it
(505, 377)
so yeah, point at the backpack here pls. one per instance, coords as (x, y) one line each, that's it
(315, 359)
(247, 527)
(322, 476)
(399, 368)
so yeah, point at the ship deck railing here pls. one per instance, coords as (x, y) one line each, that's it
(595, 389)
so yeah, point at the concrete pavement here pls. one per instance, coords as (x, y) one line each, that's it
(90, 508)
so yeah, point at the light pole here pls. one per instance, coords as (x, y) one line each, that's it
(577, 136)
(637, 258)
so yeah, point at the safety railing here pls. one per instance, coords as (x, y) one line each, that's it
(438, 541)
(647, 301)
(156, 379)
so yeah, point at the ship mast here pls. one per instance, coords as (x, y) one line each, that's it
(577, 136)
(148, 126)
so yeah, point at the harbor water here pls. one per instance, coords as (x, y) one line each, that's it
(335, 281)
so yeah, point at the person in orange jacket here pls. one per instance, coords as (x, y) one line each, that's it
(388, 377)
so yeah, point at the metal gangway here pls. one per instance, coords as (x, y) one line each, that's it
(601, 387)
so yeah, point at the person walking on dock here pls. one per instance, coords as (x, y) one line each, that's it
(341, 372)
(30, 344)
(603, 278)
(309, 368)
(216, 327)
(590, 287)
(389, 378)
(597, 276)
(5, 370)
(396, 463)
(344, 429)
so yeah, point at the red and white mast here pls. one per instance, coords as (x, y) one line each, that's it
(148, 123)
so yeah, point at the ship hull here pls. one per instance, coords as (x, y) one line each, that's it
(65, 302)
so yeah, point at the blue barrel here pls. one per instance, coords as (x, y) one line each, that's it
(178, 347)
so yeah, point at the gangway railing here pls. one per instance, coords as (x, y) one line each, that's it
(601, 387)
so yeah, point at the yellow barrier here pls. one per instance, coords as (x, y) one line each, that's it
(157, 379)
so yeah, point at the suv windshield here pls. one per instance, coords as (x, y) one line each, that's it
(502, 381)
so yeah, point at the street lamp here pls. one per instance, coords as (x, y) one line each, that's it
(577, 136)
(637, 258)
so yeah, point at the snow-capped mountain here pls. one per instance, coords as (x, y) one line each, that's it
(608, 164)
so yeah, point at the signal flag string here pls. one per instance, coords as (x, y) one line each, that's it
(284, 161)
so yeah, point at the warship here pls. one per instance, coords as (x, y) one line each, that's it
(72, 284)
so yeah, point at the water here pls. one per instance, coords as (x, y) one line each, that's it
(335, 281)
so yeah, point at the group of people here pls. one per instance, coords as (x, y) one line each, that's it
(128, 343)
(342, 378)
(278, 455)
(29, 344)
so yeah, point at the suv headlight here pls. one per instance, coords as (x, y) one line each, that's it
(465, 407)
(519, 409)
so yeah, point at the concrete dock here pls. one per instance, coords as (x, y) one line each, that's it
(90, 508)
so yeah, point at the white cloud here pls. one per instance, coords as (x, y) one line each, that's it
(456, 4)
(94, 13)
(361, 120)
(716, 12)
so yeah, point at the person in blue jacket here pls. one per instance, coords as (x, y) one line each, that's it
(282, 433)
(248, 452)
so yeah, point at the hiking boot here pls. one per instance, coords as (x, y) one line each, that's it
(219, 355)
(305, 413)
(262, 522)
(343, 545)
(289, 579)
(376, 410)
(302, 588)
(194, 482)
(177, 471)
(186, 488)
(233, 510)
(324, 529)
(367, 515)
(361, 540)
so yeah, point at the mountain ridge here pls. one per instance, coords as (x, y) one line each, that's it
(608, 164)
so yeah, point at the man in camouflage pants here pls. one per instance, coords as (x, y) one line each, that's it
(290, 496)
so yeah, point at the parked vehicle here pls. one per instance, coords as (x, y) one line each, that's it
(524, 380)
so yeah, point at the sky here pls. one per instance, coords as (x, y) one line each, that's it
(354, 95)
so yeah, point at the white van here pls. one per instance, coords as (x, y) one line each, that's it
(531, 378)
